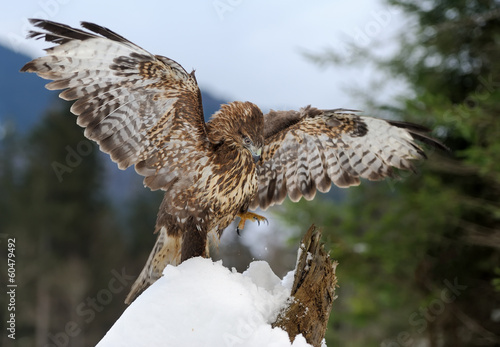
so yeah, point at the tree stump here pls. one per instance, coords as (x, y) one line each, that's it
(313, 291)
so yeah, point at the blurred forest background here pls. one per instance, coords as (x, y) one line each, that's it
(419, 257)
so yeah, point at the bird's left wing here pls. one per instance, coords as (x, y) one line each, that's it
(142, 109)
(310, 149)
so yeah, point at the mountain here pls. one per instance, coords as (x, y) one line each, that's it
(23, 98)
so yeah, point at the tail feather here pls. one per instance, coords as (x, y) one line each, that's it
(167, 250)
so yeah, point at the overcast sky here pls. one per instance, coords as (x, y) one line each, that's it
(241, 50)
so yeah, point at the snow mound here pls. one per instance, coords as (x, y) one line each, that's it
(202, 303)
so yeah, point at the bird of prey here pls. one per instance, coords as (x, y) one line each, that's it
(145, 110)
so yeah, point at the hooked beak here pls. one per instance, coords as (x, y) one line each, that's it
(256, 153)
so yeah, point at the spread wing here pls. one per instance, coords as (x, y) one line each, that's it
(309, 150)
(142, 109)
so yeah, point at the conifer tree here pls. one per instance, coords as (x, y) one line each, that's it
(69, 245)
(419, 257)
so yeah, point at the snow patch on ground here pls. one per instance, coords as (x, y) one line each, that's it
(202, 303)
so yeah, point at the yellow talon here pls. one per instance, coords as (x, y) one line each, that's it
(246, 216)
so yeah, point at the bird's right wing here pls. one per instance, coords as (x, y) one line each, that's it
(142, 109)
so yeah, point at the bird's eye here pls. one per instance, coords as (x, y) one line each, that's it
(247, 141)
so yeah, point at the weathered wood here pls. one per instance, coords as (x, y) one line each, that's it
(313, 291)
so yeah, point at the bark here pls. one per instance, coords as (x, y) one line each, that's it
(313, 291)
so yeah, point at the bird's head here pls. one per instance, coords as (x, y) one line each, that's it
(254, 148)
(239, 125)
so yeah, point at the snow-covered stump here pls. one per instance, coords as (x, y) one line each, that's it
(202, 303)
(313, 292)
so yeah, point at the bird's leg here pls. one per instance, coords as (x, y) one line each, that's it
(246, 216)
(194, 244)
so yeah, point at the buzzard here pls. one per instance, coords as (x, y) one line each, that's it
(145, 110)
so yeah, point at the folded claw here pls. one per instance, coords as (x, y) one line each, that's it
(249, 215)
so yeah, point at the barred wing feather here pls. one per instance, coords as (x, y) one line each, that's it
(309, 150)
(142, 109)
